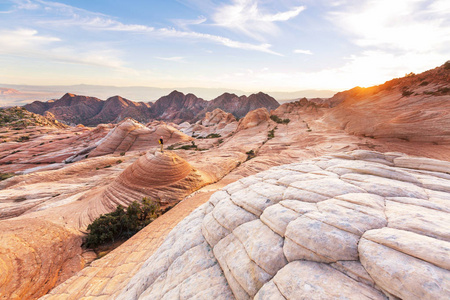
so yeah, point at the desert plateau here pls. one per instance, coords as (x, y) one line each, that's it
(221, 150)
(290, 200)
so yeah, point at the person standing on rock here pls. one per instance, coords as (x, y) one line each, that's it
(161, 142)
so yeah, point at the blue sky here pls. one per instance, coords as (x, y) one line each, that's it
(251, 45)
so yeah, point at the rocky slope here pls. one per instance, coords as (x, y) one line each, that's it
(19, 118)
(414, 108)
(371, 224)
(360, 225)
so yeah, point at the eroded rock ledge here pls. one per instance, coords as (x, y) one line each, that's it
(362, 225)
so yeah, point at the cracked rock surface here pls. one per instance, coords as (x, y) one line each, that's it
(361, 225)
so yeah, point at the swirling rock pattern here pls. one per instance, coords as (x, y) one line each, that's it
(163, 176)
(130, 135)
(362, 225)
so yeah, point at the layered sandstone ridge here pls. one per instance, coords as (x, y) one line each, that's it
(361, 225)
(164, 177)
(130, 135)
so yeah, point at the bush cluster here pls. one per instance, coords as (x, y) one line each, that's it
(210, 136)
(4, 176)
(121, 223)
(279, 120)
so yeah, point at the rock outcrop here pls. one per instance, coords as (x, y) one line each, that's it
(29, 270)
(216, 122)
(240, 106)
(253, 119)
(19, 118)
(362, 225)
(164, 177)
(413, 108)
(130, 135)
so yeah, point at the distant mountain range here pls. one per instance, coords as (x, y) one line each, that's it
(12, 95)
(175, 107)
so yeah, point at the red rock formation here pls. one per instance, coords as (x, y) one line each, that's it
(34, 256)
(414, 108)
(130, 135)
(91, 111)
(240, 106)
(254, 118)
(164, 177)
(177, 107)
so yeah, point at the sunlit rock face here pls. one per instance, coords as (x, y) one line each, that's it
(414, 108)
(35, 256)
(361, 225)
(253, 119)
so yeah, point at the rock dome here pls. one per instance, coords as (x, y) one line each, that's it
(161, 176)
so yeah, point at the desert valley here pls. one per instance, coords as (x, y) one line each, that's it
(322, 198)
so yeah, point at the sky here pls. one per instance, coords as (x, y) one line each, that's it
(250, 45)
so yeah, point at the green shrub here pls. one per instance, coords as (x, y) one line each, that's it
(23, 138)
(121, 223)
(279, 120)
(250, 154)
(188, 147)
(220, 141)
(213, 136)
(271, 134)
(407, 93)
(444, 90)
(4, 176)
(122, 153)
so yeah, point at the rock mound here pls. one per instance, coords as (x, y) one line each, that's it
(215, 122)
(130, 135)
(165, 177)
(254, 118)
(362, 225)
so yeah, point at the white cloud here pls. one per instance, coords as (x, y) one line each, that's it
(170, 32)
(405, 25)
(173, 58)
(185, 24)
(300, 51)
(245, 16)
(29, 43)
(69, 16)
(14, 40)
